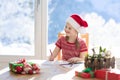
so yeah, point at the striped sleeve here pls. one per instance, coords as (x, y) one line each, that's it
(58, 43)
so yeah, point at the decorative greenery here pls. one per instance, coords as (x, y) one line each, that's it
(100, 60)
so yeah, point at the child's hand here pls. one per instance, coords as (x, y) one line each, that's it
(51, 58)
(74, 60)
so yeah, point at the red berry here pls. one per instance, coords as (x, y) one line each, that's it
(35, 67)
(30, 72)
(21, 61)
(19, 69)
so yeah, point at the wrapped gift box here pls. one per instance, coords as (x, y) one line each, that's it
(101, 74)
(113, 75)
(104, 74)
(82, 74)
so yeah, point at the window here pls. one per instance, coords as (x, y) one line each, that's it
(104, 24)
(20, 29)
(17, 27)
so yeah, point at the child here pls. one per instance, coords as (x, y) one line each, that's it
(73, 48)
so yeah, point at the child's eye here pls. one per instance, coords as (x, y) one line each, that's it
(69, 28)
(65, 26)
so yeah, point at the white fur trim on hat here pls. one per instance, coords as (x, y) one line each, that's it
(76, 26)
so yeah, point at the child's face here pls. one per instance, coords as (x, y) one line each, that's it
(69, 30)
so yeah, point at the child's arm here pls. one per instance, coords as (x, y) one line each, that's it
(54, 53)
(83, 54)
(78, 59)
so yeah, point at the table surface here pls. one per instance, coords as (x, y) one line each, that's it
(49, 70)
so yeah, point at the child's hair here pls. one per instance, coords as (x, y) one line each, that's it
(76, 42)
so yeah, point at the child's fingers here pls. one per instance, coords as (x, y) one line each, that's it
(51, 58)
(72, 60)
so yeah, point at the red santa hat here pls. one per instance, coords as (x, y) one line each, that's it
(77, 23)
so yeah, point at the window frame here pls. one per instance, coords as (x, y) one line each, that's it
(40, 34)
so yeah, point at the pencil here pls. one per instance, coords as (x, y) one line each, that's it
(51, 52)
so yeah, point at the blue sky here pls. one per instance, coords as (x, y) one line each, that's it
(107, 8)
(97, 13)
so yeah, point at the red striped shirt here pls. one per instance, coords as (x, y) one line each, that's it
(69, 49)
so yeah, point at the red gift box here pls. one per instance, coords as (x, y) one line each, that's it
(101, 74)
(113, 75)
(104, 74)
(82, 74)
